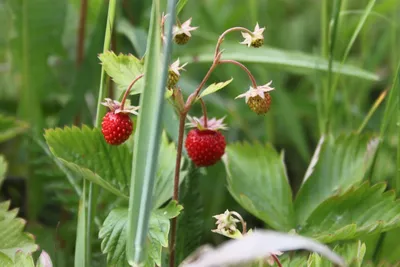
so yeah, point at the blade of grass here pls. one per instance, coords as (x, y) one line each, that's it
(360, 24)
(148, 134)
(374, 107)
(93, 190)
(332, 42)
(107, 42)
(81, 258)
(390, 109)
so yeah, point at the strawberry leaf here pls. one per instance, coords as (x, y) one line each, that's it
(114, 231)
(85, 152)
(12, 237)
(123, 69)
(257, 180)
(214, 88)
(10, 127)
(337, 165)
(359, 211)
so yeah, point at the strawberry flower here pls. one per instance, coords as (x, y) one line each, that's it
(115, 106)
(256, 39)
(182, 33)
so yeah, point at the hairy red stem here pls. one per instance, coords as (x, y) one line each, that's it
(182, 118)
(221, 37)
(229, 61)
(203, 107)
(276, 260)
(129, 89)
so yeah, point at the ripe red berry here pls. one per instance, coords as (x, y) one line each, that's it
(116, 127)
(205, 147)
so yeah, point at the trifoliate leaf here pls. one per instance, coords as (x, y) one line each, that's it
(114, 230)
(214, 88)
(10, 127)
(123, 69)
(12, 237)
(257, 179)
(339, 164)
(359, 211)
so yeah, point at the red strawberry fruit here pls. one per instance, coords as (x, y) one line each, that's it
(205, 144)
(117, 126)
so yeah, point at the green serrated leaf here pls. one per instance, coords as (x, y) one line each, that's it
(337, 165)
(22, 259)
(180, 5)
(293, 61)
(214, 88)
(171, 210)
(123, 69)
(3, 169)
(85, 151)
(10, 127)
(359, 211)
(12, 237)
(257, 179)
(114, 233)
(191, 221)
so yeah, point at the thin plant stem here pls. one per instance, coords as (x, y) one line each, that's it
(229, 61)
(203, 107)
(182, 118)
(374, 107)
(221, 38)
(107, 42)
(129, 90)
(194, 95)
(332, 45)
(276, 260)
(93, 189)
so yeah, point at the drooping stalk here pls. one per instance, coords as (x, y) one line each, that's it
(234, 62)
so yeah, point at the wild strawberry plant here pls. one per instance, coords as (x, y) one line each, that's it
(333, 204)
(137, 185)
